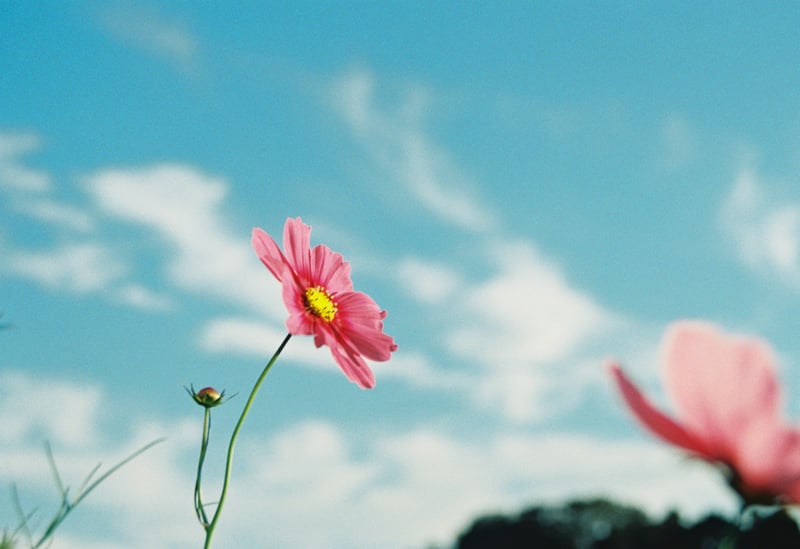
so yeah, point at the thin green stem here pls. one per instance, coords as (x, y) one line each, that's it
(198, 496)
(86, 488)
(229, 463)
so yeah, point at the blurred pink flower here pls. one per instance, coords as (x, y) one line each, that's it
(319, 295)
(727, 403)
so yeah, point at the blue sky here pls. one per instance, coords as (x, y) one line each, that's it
(527, 190)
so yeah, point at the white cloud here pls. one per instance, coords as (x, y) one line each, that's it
(260, 340)
(359, 488)
(527, 328)
(142, 298)
(183, 206)
(55, 410)
(524, 394)
(427, 281)
(366, 497)
(418, 370)
(80, 268)
(399, 146)
(526, 312)
(301, 458)
(151, 31)
(62, 215)
(253, 337)
(13, 173)
(765, 231)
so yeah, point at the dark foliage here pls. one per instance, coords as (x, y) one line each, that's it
(600, 524)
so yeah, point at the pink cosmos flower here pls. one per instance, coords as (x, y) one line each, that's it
(319, 295)
(727, 403)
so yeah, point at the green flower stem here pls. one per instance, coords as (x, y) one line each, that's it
(229, 463)
(198, 496)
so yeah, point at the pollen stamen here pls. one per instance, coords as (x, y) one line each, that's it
(319, 303)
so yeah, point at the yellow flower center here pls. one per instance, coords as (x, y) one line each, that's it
(320, 304)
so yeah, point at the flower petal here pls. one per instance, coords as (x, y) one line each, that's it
(361, 323)
(330, 270)
(300, 324)
(719, 382)
(297, 245)
(269, 253)
(293, 296)
(347, 358)
(768, 460)
(658, 423)
(358, 310)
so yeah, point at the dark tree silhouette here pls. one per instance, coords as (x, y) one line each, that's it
(601, 524)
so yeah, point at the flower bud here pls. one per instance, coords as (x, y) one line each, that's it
(208, 397)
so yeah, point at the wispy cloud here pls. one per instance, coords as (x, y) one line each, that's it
(141, 297)
(61, 215)
(397, 143)
(80, 260)
(185, 208)
(80, 268)
(522, 334)
(13, 172)
(152, 31)
(83, 267)
(678, 142)
(764, 230)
